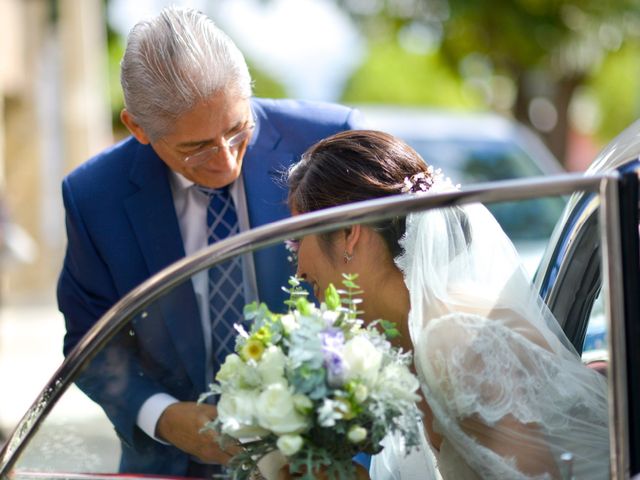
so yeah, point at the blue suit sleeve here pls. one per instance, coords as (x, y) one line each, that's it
(85, 292)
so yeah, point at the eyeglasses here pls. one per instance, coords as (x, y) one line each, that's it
(231, 143)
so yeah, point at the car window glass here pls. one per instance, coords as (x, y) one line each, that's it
(468, 162)
(478, 161)
(152, 349)
(84, 430)
(595, 342)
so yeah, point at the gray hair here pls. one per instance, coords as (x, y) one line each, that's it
(172, 62)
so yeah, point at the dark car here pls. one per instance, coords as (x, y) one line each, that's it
(591, 260)
(570, 273)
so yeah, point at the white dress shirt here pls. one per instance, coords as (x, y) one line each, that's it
(191, 209)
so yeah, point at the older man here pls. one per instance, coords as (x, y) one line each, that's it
(203, 153)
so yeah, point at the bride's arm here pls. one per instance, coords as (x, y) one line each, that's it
(474, 368)
(434, 438)
(529, 461)
(510, 438)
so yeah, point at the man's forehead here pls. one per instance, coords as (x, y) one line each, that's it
(209, 120)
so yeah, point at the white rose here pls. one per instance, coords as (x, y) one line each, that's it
(237, 414)
(276, 410)
(362, 360)
(231, 367)
(271, 366)
(360, 393)
(236, 373)
(357, 434)
(289, 323)
(396, 381)
(289, 444)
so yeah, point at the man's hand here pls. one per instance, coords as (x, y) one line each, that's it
(361, 474)
(180, 425)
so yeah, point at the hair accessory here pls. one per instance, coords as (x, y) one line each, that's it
(347, 257)
(418, 182)
(431, 180)
(292, 246)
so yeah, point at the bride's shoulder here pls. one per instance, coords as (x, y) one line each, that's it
(461, 331)
(457, 323)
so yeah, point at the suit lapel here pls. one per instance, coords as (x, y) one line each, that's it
(263, 173)
(155, 224)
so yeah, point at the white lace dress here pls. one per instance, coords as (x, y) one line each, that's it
(508, 393)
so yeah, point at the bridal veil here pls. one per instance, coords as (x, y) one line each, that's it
(509, 393)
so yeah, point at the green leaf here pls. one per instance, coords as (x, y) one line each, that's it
(332, 297)
(303, 306)
(251, 310)
(389, 329)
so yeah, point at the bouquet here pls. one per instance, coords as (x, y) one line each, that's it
(314, 384)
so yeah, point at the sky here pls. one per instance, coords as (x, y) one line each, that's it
(309, 46)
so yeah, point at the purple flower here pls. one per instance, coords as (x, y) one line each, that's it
(332, 344)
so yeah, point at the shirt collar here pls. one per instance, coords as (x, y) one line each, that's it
(180, 183)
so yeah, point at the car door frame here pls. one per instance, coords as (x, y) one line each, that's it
(609, 185)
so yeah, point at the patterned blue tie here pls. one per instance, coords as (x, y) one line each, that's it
(226, 293)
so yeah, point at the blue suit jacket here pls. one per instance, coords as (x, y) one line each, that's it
(122, 228)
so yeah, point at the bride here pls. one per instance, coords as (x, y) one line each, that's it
(505, 394)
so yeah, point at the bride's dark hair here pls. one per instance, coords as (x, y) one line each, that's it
(353, 166)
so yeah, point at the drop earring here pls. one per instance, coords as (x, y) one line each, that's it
(347, 257)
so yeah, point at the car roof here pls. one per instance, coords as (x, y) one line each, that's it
(622, 149)
(437, 124)
(419, 123)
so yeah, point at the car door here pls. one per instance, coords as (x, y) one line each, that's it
(573, 282)
(65, 433)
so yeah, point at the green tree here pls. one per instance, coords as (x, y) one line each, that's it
(546, 48)
(391, 74)
(616, 87)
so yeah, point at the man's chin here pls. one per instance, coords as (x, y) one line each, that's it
(216, 179)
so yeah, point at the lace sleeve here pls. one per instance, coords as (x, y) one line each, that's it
(508, 392)
(477, 366)
(500, 399)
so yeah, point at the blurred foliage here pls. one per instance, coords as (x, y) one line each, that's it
(265, 85)
(115, 48)
(391, 74)
(616, 87)
(546, 48)
(565, 38)
(472, 54)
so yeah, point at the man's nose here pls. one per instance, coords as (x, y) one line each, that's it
(224, 156)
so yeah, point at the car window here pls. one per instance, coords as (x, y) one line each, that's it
(468, 161)
(594, 350)
(595, 343)
(528, 223)
(77, 436)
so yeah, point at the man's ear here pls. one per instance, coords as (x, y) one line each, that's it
(135, 129)
(352, 236)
